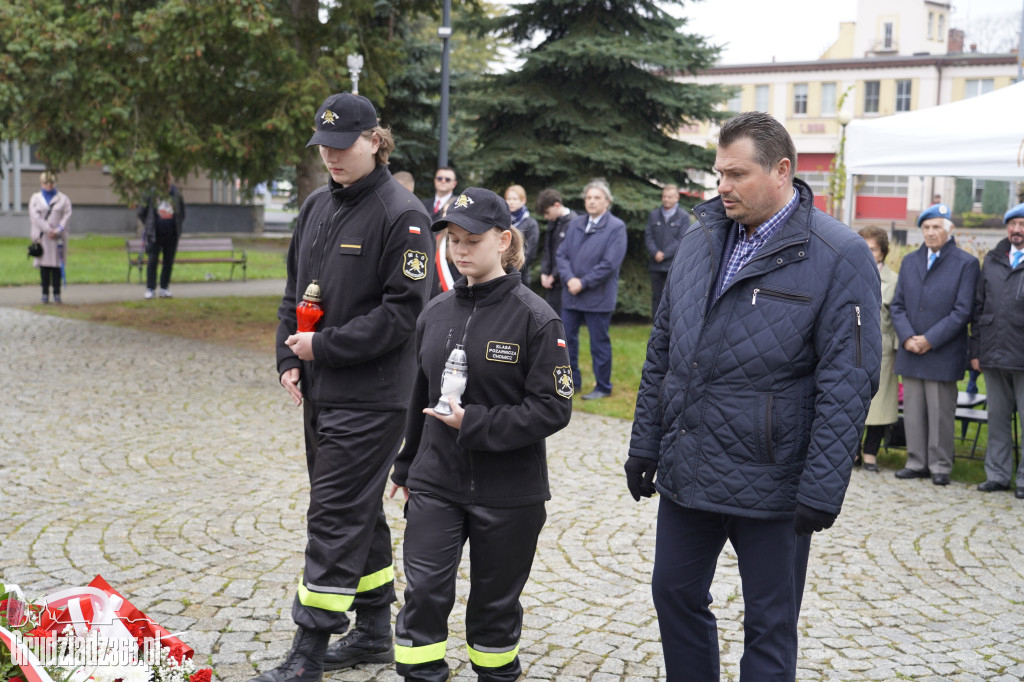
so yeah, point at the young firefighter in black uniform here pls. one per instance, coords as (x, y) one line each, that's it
(479, 474)
(364, 239)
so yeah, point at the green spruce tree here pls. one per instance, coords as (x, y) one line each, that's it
(596, 95)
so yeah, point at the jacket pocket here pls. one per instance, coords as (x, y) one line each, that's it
(764, 453)
(780, 294)
(351, 247)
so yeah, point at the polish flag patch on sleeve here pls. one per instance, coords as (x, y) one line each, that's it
(561, 343)
(413, 229)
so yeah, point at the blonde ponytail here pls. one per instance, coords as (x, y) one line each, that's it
(514, 256)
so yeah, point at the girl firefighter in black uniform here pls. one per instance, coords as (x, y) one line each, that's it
(479, 474)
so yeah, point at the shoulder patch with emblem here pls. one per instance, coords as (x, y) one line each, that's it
(563, 381)
(414, 264)
(502, 351)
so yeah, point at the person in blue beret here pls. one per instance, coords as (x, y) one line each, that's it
(996, 350)
(930, 311)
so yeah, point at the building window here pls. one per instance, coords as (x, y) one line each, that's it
(883, 185)
(761, 98)
(29, 158)
(734, 104)
(871, 89)
(800, 98)
(828, 99)
(942, 27)
(903, 95)
(978, 86)
(888, 35)
(817, 181)
(931, 21)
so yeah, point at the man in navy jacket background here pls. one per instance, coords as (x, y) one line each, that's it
(588, 264)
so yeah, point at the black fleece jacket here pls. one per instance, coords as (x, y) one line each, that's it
(369, 246)
(519, 391)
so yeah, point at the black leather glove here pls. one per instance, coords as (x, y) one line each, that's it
(640, 476)
(808, 520)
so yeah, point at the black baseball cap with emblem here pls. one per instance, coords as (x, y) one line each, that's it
(476, 210)
(341, 119)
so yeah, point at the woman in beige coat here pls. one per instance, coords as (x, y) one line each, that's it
(884, 410)
(49, 211)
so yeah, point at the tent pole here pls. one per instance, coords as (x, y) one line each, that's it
(1020, 48)
(851, 199)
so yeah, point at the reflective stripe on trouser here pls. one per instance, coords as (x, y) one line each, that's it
(348, 552)
(492, 657)
(502, 544)
(408, 654)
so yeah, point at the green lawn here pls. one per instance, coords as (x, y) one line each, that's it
(96, 259)
(102, 259)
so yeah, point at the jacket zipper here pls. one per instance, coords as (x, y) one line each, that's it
(469, 455)
(309, 259)
(769, 445)
(778, 294)
(856, 309)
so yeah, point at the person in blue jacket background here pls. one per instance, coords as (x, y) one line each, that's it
(588, 260)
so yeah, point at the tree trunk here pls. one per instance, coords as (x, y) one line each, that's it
(309, 174)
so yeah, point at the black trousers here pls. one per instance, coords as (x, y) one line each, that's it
(502, 544)
(50, 276)
(166, 246)
(772, 561)
(554, 297)
(349, 453)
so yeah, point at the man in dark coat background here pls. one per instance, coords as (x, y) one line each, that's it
(665, 227)
(930, 311)
(997, 349)
(549, 205)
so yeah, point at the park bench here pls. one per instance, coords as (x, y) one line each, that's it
(205, 250)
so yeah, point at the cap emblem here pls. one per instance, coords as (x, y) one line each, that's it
(329, 117)
(463, 201)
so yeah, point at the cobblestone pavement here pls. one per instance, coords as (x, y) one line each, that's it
(174, 469)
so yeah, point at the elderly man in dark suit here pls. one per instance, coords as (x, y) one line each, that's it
(998, 351)
(930, 311)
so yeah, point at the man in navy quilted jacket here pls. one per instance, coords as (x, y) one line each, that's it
(763, 357)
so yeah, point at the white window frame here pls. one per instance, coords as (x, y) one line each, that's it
(762, 98)
(872, 97)
(828, 101)
(903, 99)
(799, 99)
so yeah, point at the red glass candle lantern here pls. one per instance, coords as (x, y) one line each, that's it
(309, 311)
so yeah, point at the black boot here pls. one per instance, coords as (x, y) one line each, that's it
(368, 642)
(305, 660)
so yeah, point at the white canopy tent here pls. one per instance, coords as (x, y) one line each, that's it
(980, 137)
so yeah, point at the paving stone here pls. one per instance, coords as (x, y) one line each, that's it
(914, 581)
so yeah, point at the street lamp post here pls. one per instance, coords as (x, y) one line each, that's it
(355, 65)
(444, 32)
(839, 184)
